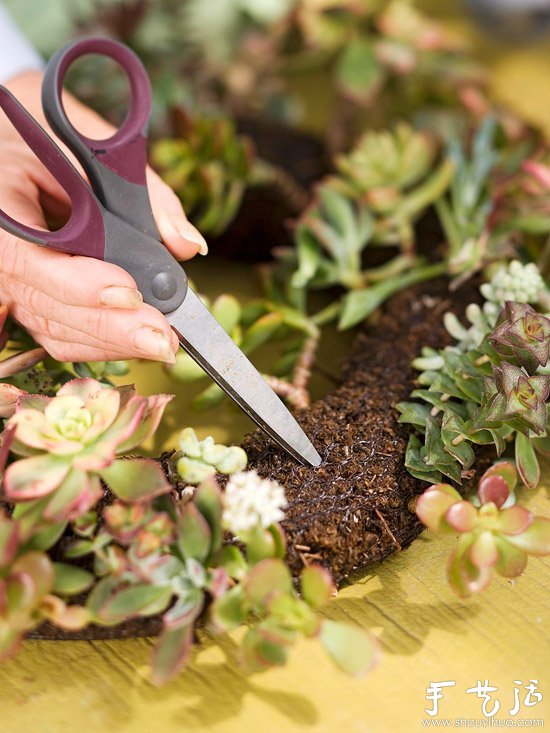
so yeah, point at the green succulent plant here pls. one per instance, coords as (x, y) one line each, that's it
(31, 586)
(167, 557)
(330, 240)
(197, 459)
(209, 166)
(493, 393)
(392, 171)
(69, 442)
(494, 536)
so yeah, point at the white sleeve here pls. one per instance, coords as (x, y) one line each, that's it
(16, 53)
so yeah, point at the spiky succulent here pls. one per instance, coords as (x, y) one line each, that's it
(331, 237)
(67, 443)
(465, 213)
(493, 536)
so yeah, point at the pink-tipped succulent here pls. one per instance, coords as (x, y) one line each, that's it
(68, 442)
(28, 581)
(493, 537)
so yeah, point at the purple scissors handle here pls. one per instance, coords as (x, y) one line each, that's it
(116, 167)
(84, 232)
(92, 230)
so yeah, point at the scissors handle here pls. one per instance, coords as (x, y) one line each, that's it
(84, 232)
(92, 230)
(116, 167)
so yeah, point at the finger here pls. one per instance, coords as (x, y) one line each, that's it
(78, 281)
(178, 234)
(48, 328)
(64, 351)
(140, 333)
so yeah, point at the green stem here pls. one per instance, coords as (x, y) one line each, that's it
(449, 227)
(359, 304)
(394, 267)
(429, 192)
(418, 275)
(327, 314)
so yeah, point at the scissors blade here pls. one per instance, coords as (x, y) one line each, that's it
(210, 346)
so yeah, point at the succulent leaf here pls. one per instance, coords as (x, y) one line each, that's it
(317, 585)
(171, 653)
(349, 647)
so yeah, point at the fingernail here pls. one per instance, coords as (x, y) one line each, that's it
(188, 232)
(154, 343)
(117, 296)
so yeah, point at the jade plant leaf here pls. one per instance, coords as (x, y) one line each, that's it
(232, 559)
(137, 480)
(171, 653)
(265, 579)
(359, 73)
(350, 648)
(133, 600)
(527, 461)
(317, 585)
(195, 536)
(229, 610)
(70, 579)
(208, 502)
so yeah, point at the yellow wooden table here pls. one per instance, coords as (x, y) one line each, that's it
(427, 634)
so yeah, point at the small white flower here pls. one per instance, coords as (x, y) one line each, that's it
(251, 501)
(517, 282)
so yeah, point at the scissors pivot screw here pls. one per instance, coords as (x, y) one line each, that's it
(164, 286)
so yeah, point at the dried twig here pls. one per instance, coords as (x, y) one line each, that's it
(20, 362)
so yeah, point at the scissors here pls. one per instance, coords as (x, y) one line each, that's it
(112, 220)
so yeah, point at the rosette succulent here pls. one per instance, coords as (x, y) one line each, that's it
(387, 161)
(68, 442)
(493, 536)
(515, 283)
(523, 334)
(513, 396)
(392, 171)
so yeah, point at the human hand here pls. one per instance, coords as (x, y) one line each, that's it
(78, 308)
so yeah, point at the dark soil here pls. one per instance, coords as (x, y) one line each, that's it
(353, 510)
